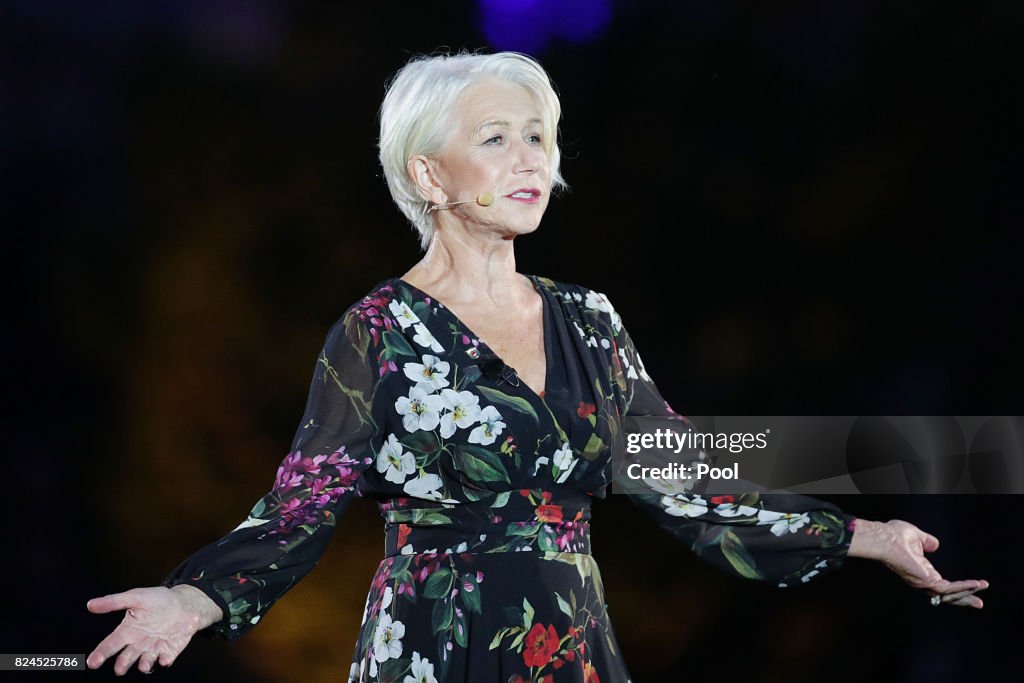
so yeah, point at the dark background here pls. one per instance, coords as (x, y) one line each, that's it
(819, 201)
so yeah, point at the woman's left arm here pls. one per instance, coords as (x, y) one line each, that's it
(780, 537)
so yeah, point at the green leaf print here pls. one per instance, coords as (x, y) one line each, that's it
(441, 617)
(438, 584)
(394, 669)
(479, 464)
(471, 596)
(420, 442)
(563, 605)
(496, 640)
(739, 558)
(422, 311)
(428, 517)
(516, 403)
(547, 540)
(258, 508)
(239, 606)
(459, 629)
(397, 344)
(593, 448)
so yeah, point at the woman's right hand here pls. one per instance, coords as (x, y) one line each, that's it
(157, 626)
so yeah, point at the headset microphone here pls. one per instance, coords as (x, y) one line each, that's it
(483, 199)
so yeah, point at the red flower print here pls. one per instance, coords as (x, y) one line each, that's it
(720, 500)
(541, 644)
(403, 534)
(590, 674)
(585, 409)
(547, 679)
(549, 513)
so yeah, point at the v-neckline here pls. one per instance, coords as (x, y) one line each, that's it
(468, 330)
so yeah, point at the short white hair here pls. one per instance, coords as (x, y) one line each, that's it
(416, 117)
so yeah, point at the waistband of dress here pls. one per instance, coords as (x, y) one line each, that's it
(522, 521)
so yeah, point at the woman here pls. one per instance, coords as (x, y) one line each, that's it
(479, 407)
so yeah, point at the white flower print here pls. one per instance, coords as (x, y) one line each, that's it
(430, 374)
(419, 410)
(403, 314)
(489, 428)
(616, 321)
(782, 521)
(564, 461)
(395, 460)
(422, 670)
(424, 486)
(423, 337)
(579, 329)
(640, 364)
(385, 600)
(464, 410)
(630, 372)
(251, 522)
(679, 506)
(387, 641)
(734, 510)
(598, 301)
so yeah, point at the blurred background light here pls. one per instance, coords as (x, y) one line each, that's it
(530, 25)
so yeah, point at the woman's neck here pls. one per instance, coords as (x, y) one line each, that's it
(470, 271)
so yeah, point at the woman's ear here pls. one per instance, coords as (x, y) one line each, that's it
(424, 172)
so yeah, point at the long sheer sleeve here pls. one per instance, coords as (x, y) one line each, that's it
(757, 534)
(287, 530)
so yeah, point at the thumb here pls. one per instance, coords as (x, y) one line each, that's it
(109, 603)
(929, 543)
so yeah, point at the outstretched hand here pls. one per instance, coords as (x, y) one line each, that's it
(158, 623)
(901, 546)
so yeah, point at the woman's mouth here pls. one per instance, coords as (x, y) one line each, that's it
(528, 195)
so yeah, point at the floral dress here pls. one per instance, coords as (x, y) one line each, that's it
(485, 488)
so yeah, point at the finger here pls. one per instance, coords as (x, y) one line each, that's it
(930, 543)
(126, 659)
(968, 601)
(167, 656)
(146, 661)
(954, 596)
(970, 585)
(107, 648)
(109, 603)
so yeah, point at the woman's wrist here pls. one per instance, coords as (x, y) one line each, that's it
(207, 611)
(865, 539)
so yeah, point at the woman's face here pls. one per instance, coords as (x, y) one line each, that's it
(497, 147)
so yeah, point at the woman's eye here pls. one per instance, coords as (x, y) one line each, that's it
(496, 140)
(534, 138)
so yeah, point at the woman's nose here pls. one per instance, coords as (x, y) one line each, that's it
(529, 158)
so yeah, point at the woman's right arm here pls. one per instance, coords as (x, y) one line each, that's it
(223, 589)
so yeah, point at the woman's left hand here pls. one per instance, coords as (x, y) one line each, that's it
(901, 547)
